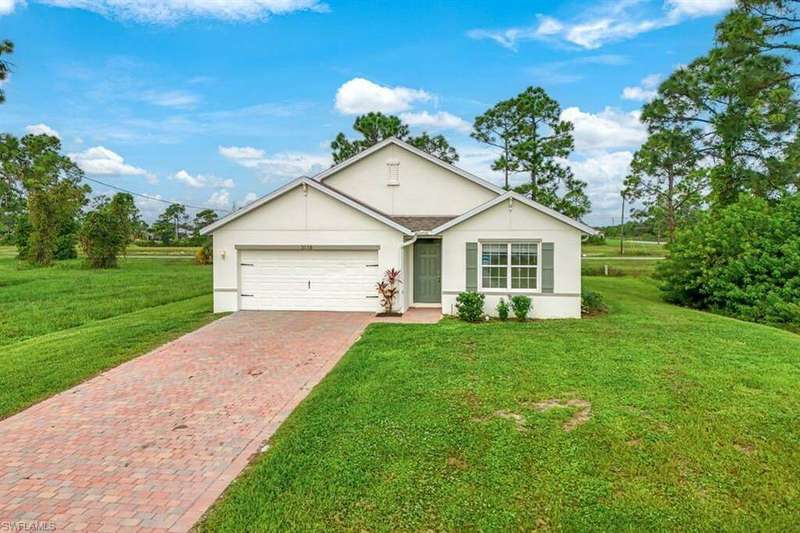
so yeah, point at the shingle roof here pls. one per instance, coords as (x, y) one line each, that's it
(421, 223)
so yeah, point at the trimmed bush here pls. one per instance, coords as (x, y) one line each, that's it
(742, 260)
(503, 309)
(521, 305)
(470, 306)
(592, 303)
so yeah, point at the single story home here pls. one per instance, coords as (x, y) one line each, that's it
(323, 243)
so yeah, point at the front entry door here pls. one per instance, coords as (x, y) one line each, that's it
(428, 271)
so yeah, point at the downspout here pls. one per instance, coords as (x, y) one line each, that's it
(410, 242)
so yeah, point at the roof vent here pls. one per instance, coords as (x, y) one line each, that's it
(393, 172)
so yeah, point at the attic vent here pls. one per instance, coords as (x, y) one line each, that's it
(393, 172)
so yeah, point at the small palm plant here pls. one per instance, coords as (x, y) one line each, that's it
(388, 289)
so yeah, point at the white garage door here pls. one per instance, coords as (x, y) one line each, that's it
(309, 280)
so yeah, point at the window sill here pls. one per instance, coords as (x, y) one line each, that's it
(509, 291)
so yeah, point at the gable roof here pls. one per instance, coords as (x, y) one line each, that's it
(580, 226)
(303, 180)
(414, 150)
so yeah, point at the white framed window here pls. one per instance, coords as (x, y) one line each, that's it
(510, 266)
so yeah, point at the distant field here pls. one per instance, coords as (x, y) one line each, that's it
(635, 249)
(62, 324)
(187, 251)
(132, 251)
(618, 267)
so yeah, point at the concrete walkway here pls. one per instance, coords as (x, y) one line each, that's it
(151, 444)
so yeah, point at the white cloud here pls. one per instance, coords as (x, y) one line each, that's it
(276, 166)
(359, 96)
(610, 128)
(150, 208)
(604, 174)
(7, 6)
(172, 11)
(508, 38)
(596, 33)
(199, 181)
(699, 8)
(176, 99)
(249, 198)
(441, 120)
(645, 91)
(41, 129)
(101, 161)
(240, 152)
(609, 22)
(220, 199)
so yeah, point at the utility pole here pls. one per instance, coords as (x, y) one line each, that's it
(622, 227)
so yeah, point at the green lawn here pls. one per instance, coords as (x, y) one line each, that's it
(618, 267)
(695, 424)
(63, 324)
(610, 248)
(177, 251)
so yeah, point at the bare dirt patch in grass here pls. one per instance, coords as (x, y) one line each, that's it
(582, 414)
(457, 462)
(746, 449)
(519, 420)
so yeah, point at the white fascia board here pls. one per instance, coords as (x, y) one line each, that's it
(414, 150)
(580, 226)
(317, 186)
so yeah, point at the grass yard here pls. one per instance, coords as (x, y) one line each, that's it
(618, 267)
(682, 420)
(610, 248)
(177, 251)
(63, 324)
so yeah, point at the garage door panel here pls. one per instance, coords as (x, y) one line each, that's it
(309, 280)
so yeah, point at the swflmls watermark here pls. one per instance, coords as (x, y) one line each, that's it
(27, 525)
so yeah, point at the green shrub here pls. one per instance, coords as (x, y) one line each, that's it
(592, 303)
(470, 306)
(205, 254)
(595, 239)
(106, 230)
(521, 305)
(66, 245)
(742, 260)
(502, 309)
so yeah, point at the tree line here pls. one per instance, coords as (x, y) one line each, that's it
(726, 124)
(720, 169)
(46, 210)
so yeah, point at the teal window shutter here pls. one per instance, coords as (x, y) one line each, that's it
(472, 266)
(548, 273)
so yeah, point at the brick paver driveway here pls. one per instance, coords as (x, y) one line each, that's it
(152, 443)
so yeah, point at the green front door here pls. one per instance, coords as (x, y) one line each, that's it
(428, 271)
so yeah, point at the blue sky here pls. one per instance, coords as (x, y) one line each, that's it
(214, 102)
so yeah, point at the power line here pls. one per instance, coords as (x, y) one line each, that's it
(152, 197)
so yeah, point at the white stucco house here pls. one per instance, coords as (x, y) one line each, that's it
(322, 243)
